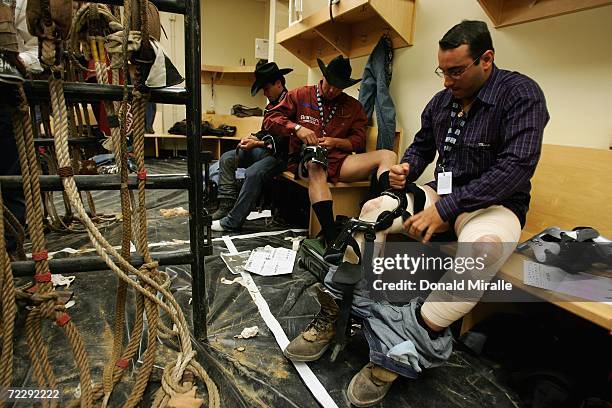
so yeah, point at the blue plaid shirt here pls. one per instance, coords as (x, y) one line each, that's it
(497, 151)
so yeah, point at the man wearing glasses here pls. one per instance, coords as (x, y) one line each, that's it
(486, 127)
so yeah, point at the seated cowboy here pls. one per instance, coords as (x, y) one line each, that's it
(487, 128)
(325, 117)
(263, 156)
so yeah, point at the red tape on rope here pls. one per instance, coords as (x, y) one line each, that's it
(63, 319)
(122, 363)
(142, 174)
(40, 256)
(42, 277)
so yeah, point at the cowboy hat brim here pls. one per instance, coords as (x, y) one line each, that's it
(334, 80)
(260, 82)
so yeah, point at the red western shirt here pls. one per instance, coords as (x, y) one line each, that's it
(300, 107)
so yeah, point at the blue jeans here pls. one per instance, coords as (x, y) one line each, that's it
(260, 166)
(374, 87)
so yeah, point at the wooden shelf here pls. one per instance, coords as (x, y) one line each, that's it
(222, 75)
(216, 144)
(357, 27)
(509, 12)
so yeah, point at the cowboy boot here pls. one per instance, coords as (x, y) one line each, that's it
(370, 385)
(312, 343)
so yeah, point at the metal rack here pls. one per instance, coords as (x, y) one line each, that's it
(200, 242)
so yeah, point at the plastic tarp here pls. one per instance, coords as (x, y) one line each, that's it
(259, 375)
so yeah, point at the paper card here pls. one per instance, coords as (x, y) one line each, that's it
(445, 182)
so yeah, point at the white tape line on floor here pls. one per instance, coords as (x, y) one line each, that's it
(309, 378)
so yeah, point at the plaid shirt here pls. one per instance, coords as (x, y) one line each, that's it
(498, 149)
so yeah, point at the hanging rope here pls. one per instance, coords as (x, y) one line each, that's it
(151, 287)
(8, 308)
(47, 309)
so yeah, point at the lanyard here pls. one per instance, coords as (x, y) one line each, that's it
(457, 123)
(332, 112)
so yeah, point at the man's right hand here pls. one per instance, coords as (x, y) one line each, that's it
(307, 136)
(398, 174)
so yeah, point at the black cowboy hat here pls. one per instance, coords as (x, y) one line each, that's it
(338, 72)
(267, 73)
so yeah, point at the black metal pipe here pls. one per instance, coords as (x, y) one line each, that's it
(101, 182)
(194, 166)
(95, 263)
(49, 141)
(38, 91)
(170, 6)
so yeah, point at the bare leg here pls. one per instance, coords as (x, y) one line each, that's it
(357, 167)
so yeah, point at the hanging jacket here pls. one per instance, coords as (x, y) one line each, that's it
(374, 90)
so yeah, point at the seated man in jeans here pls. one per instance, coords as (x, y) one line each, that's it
(262, 155)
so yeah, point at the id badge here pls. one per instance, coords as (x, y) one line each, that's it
(445, 182)
(240, 173)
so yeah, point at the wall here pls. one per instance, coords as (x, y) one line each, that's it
(285, 59)
(173, 25)
(569, 56)
(229, 29)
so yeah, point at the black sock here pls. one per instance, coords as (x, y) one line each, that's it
(325, 214)
(431, 333)
(383, 182)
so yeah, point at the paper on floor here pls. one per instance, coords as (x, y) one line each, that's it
(268, 261)
(248, 332)
(254, 215)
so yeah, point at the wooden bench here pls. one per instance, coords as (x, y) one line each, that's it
(571, 187)
(347, 196)
(217, 145)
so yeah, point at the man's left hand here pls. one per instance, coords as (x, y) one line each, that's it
(425, 223)
(327, 142)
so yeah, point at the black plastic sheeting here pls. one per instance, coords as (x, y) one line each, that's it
(259, 376)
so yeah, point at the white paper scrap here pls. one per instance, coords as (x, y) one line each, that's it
(270, 261)
(254, 215)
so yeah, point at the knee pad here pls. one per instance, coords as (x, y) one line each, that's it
(315, 154)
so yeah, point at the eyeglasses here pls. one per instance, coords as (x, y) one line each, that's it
(455, 73)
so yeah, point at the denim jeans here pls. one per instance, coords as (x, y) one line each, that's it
(260, 166)
(387, 326)
(374, 88)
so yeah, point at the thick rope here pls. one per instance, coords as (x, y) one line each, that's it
(152, 287)
(9, 309)
(106, 251)
(47, 309)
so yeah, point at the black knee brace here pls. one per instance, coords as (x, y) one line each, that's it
(315, 154)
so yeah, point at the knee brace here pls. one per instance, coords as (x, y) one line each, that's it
(315, 154)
